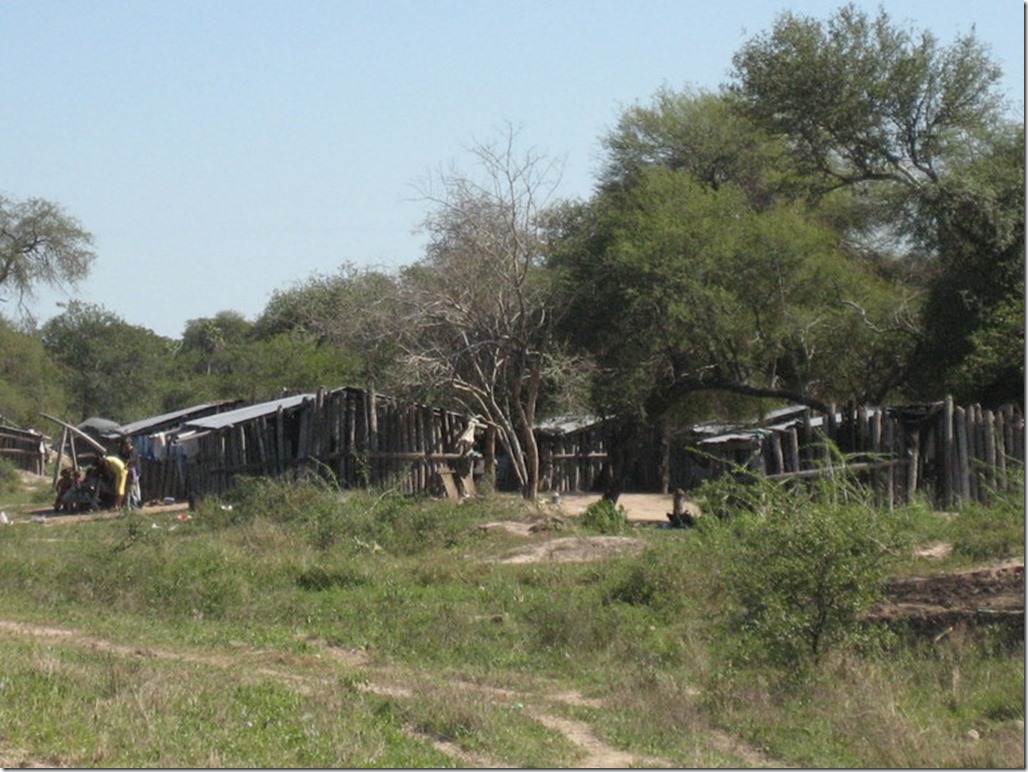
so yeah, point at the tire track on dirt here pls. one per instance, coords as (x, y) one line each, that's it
(596, 754)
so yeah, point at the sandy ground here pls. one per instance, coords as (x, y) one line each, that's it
(641, 507)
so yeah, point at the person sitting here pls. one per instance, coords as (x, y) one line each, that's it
(64, 484)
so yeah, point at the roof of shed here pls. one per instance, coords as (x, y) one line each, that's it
(243, 414)
(98, 425)
(566, 424)
(175, 417)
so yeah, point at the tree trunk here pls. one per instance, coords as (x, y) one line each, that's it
(621, 458)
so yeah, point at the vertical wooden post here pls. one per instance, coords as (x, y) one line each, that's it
(373, 440)
(60, 452)
(949, 474)
(776, 453)
(989, 427)
(1001, 449)
(875, 446)
(975, 451)
(794, 448)
(808, 452)
(914, 461)
(280, 440)
(962, 466)
(891, 456)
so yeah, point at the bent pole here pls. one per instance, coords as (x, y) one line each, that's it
(96, 445)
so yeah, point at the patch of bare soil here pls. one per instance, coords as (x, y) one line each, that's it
(575, 549)
(650, 508)
(992, 594)
(47, 516)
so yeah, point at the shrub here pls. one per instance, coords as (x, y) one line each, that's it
(10, 480)
(605, 517)
(801, 573)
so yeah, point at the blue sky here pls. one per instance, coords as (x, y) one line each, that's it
(219, 150)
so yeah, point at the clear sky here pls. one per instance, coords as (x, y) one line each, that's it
(219, 150)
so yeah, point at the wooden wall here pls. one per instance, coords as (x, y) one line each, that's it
(362, 439)
(24, 449)
(949, 453)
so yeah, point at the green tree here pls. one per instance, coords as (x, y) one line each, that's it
(284, 364)
(40, 245)
(203, 339)
(703, 135)
(351, 310)
(973, 320)
(864, 101)
(681, 282)
(918, 130)
(30, 382)
(110, 368)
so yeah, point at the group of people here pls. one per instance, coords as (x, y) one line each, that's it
(109, 483)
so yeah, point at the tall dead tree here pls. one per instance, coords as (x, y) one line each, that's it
(478, 309)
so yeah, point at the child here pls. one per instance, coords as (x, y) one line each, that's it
(64, 484)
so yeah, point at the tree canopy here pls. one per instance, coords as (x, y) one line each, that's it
(110, 368)
(919, 130)
(40, 244)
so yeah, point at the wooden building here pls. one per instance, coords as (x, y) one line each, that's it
(948, 453)
(25, 449)
(357, 437)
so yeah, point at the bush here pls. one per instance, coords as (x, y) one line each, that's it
(10, 480)
(605, 517)
(324, 517)
(802, 572)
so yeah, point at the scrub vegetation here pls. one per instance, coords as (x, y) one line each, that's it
(300, 626)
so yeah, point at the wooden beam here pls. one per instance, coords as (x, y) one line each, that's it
(96, 445)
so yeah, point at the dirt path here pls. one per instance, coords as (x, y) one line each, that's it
(640, 507)
(390, 681)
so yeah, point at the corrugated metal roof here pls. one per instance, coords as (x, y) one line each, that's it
(565, 424)
(231, 417)
(143, 424)
(753, 435)
(99, 425)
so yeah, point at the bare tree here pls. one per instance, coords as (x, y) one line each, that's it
(479, 309)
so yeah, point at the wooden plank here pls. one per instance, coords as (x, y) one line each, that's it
(446, 478)
(60, 450)
(962, 469)
(863, 466)
(989, 428)
(96, 445)
(889, 439)
(793, 445)
(949, 461)
(776, 453)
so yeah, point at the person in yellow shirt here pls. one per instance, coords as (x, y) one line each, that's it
(116, 469)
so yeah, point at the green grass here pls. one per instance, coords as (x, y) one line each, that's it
(295, 626)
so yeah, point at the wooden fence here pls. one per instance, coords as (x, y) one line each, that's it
(26, 450)
(949, 453)
(361, 438)
(572, 461)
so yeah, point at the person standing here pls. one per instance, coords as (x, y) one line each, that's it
(128, 453)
